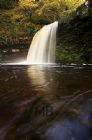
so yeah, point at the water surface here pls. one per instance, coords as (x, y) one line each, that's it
(45, 102)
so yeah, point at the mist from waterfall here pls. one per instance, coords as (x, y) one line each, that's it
(42, 49)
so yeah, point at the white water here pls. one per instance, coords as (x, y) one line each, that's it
(42, 49)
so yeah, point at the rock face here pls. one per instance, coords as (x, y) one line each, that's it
(74, 40)
(90, 7)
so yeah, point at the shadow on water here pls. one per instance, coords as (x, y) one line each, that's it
(44, 103)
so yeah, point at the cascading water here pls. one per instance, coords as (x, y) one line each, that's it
(42, 49)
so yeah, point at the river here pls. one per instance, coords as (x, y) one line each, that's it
(50, 102)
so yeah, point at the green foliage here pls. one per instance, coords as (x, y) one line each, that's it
(48, 10)
(14, 24)
(7, 3)
(25, 18)
(67, 55)
(67, 15)
(73, 4)
(82, 10)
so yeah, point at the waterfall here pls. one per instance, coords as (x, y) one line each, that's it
(42, 49)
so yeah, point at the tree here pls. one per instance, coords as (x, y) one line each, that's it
(47, 11)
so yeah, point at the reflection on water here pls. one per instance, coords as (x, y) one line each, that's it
(44, 103)
(37, 77)
(43, 81)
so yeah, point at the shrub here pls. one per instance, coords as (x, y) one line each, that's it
(6, 4)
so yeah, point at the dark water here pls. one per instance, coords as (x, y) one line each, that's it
(45, 103)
